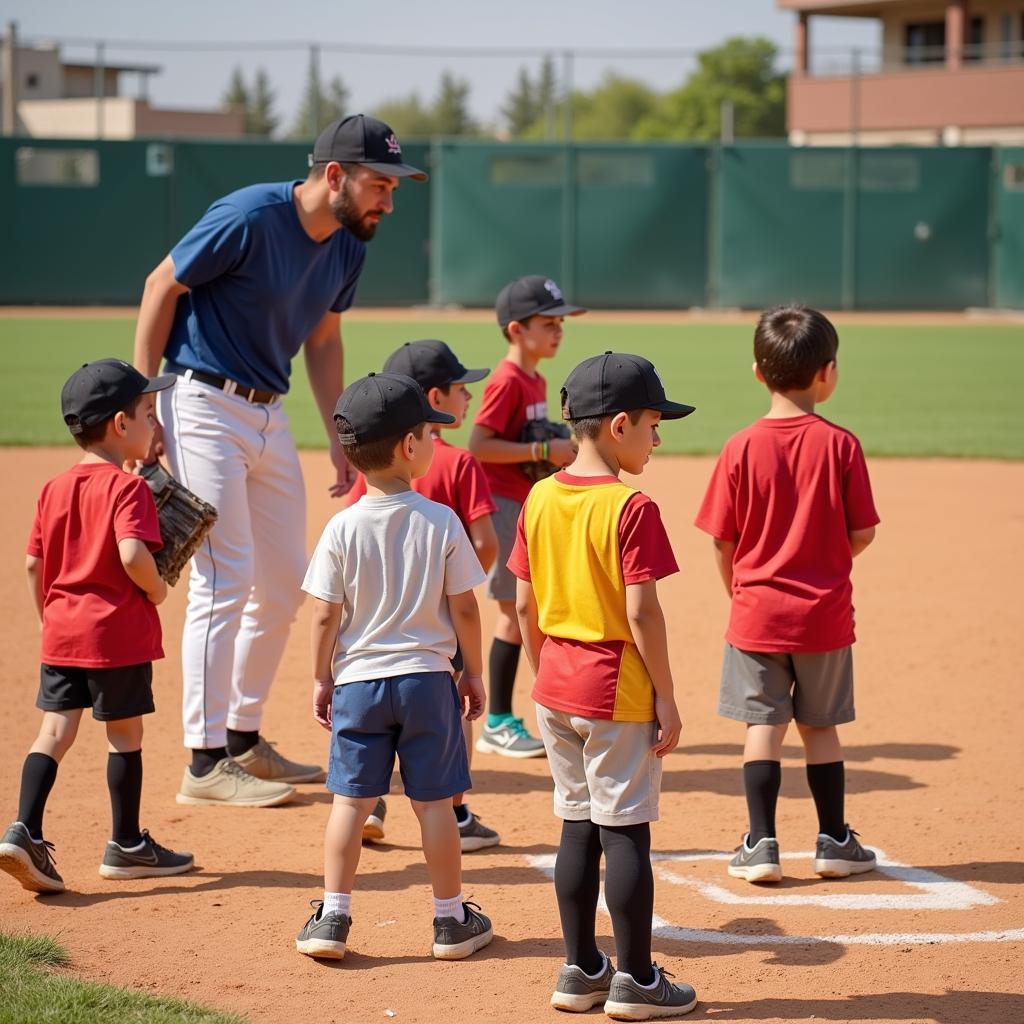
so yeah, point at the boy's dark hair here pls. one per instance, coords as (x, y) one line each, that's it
(589, 427)
(373, 455)
(791, 344)
(523, 322)
(97, 431)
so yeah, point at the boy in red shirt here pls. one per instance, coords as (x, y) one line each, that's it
(96, 587)
(789, 505)
(530, 312)
(457, 480)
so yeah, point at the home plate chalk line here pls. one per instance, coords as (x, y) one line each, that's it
(933, 891)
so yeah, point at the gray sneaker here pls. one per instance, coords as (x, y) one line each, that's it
(760, 864)
(373, 827)
(578, 992)
(264, 762)
(151, 861)
(324, 935)
(628, 1000)
(510, 739)
(833, 859)
(28, 861)
(475, 835)
(454, 941)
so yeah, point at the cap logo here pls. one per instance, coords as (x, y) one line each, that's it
(658, 375)
(553, 290)
(392, 143)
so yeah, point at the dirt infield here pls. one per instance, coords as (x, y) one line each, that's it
(934, 777)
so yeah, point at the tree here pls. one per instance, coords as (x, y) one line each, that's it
(236, 96)
(742, 71)
(450, 112)
(613, 109)
(529, 109)
(260, 117)
(319, 107)
(409, 117)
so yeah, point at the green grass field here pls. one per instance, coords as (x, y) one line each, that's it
(904, 390)
(34, 990)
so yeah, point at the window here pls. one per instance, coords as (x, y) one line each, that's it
(1013, 176)
(822, 170)
(527, 169)
(888, 172)
(924, 42)
(974, 47)
(74, 168)
(31, 80)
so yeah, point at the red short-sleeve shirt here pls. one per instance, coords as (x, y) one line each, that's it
(94, 616)
(787, 492)
(454, 479)
(512, 396)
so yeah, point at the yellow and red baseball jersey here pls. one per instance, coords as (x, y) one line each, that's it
(581, 541)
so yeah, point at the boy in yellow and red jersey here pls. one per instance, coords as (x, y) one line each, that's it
(588, 554)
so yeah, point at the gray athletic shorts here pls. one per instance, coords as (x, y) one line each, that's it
(764, 688)
(603, 771)
(501, 584)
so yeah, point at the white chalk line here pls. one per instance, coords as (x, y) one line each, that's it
(939, 893)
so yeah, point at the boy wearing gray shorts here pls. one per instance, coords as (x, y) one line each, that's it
(588, 554)
(789, 505)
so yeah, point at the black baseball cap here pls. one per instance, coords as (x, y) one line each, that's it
(360, 139)
(614, 382)
(530, 296)
(432, 364)
(98, 390)
(383, 405)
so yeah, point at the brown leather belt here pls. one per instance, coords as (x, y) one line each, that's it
(230, 387)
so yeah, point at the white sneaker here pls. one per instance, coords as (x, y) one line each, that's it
(230, 784)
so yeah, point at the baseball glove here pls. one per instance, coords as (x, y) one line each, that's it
(541, 430)
(184, 521)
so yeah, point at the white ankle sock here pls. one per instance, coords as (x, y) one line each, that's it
(337, 903)
(450, 908)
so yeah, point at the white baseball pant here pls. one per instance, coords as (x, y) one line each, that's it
(245, 580)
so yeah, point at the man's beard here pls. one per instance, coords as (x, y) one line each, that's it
(346, 214)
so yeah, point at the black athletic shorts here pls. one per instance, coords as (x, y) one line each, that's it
(112, 693)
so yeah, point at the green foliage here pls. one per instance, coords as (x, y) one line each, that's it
(613, 109)
(741, 71)
(529, 109)
(447, 114)
(913, 390)
(319, 106)
(256, 103)
(33, 990)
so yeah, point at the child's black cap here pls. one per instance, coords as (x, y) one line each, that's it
(98, 390)
(432, 364)
(384, 405)
(360, 139)
(614, 382)
(534, 295)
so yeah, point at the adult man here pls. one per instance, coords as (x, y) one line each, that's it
(266, 271)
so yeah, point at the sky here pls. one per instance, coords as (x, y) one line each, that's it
(182, 38)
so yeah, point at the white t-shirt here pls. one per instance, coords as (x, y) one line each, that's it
(391, 562)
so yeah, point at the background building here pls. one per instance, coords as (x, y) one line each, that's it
(947, 73)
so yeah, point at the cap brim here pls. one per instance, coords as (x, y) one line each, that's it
(673, 410)
(161, 383)
(561, 310)
(471, 377)
(399, 171)
(439, 417)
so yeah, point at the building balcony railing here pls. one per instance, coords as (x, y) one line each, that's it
(824, 63)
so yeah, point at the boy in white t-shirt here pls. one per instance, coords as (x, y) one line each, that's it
(393, 579)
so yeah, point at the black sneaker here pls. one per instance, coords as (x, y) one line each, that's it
(149, 860)
(324, 935)
(759, 863)
(475, 835)
(455, 941)
(833, 859)
(629, 1000)
(373, 827)
(578, 992)
(28, 861)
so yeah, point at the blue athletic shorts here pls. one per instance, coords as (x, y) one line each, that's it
(416, 717)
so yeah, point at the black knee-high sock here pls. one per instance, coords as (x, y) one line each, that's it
(502, 666)
(629, 893)
(37, 778)
(124, 780)
(577, 886)
(205, 760)
(828, 787)
(761, 781)
(239, 741)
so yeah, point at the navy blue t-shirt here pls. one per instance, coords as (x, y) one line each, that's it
(258, 286)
